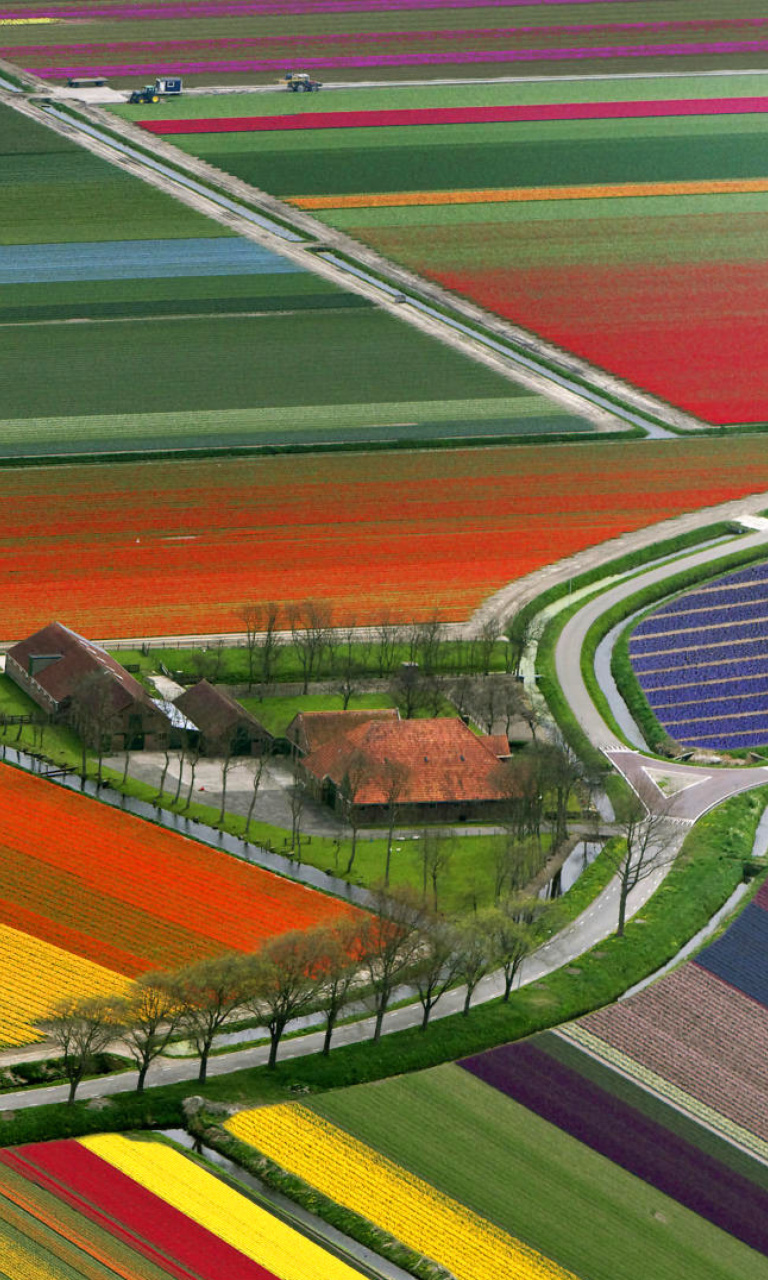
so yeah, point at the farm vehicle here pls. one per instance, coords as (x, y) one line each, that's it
(302, 82)
(164, 87)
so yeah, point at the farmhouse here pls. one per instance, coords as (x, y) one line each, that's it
(226, 728)
(429, 770)
(78, 682)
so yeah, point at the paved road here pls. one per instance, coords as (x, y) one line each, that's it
(684, 792)
(594, 925)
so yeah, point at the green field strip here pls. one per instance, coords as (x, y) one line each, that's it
(55, 193)
(539, 1184)
(630, 207)
(607, 89)
(233, 363)
(265, 292)
(325, 170)
(173, 309)
(427, 420)
(686, 1127)
(646, 244)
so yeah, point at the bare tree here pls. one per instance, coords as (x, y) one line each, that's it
(435, 850)
(297, 799)
(283, 982)
(430, 636)
(391, 940)
(522, 632)
(515, 861)
(560, 774)
(193, 769)
(355, 774)
(388, 637)
(339, 961)
(647, 843)
(485, 642)
(163, 776)
(437, 964)
(393, 780)
(258, 773)
(207, 994)
(147, 1019)
(82, 1029)
(476, 951)
(310, 624)
(226, 765)
(92, 714)
(348, 668)
(262, 641)
(408, 689)
(512, 938)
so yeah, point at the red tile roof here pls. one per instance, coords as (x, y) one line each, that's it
(310, 730)
(435, 761)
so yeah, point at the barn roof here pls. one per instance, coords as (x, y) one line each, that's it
(214, 711)
(74, 659)
(434, 762)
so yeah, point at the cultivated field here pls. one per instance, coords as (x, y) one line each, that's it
(214, 41)
(90, 897)
(164, 549)
(622, 221)
(701, 662)
(134, 324)
(484, 1186)
(110, 1205)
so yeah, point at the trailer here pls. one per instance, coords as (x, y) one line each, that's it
(164, 87)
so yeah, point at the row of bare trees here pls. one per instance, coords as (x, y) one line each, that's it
(318, 971)
(319, 647)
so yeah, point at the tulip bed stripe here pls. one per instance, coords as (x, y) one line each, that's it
(364, 1181)
(700, 660)
(270, 1247)
(139, 260)
(565, 1097)
(523, 195)
(461, 115)
(167, 1237)
(124, 903)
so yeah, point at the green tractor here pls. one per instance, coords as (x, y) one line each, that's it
(164, 87)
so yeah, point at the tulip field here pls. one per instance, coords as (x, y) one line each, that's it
(621, 220)
(487, 1187)
(110, 1206)
(133, 323)
(217, 41)
(165, 549)
(91, 897)
(701, 663)
(669, 1083)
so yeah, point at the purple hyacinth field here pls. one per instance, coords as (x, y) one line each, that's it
(702, 662)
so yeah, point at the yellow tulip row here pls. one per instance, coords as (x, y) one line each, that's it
(366, 1182)
(184, 1185)
(34, 975)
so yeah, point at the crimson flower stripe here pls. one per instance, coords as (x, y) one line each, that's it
(131, 1213)
(462, 115)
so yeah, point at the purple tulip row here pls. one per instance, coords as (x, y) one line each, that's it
(738, 957)
(624, 1134)
(668, 708)
(694, 619)
(713, 661)
(409, 59)
(713, 737)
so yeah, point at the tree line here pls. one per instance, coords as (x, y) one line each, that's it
(320, 971)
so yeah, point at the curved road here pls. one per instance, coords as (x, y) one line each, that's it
(694, 790)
